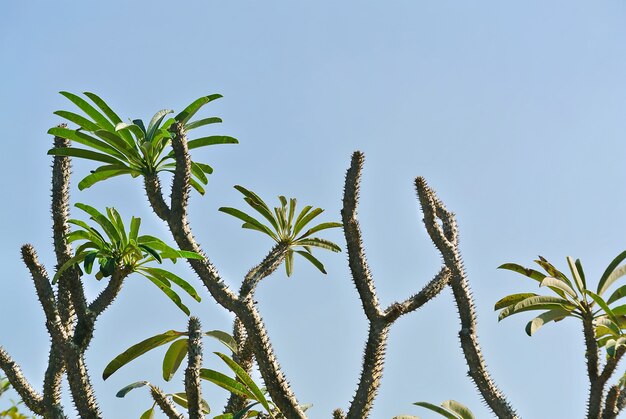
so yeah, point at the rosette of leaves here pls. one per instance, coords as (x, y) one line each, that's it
(128, 250)
(572, 298)
(450, 409)
(241, 383)
(287, 228)
(132, 148)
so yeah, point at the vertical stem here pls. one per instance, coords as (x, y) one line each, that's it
(596, 388)
(193, 387)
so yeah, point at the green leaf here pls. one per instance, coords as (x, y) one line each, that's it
(191, 110)
(313, 260)
(81, 121)
(205, 168)
(243, 412)
(135, 223)
(541, 302)
(603, 305)
(212, 140)
(198, 173)
(226, 339)
(152, 252)
(548, 316)
(181, 400)
(202, 122)
(186, 286)
(249, 220)
(89, 259)
(104, 107)
(116, 141)
(84, 154)
(148, 414)
(548, 267)
(138, 350)
(245, 379)
(89, 110)
(71, 262)
(301, 222)
(317, 242)
(100, 175)
(513, 299)
(173, 358)
(169, 293)
(226, 383)
(197, 186)
(88, 140)
(320, 227)
(123, 392)
(438, 409)
(531, 273)
(608, 324)
(617, 294)
(289, 263)
(103, 221)
(156, 121)
(603, 285)
(553, 283)
(458, 408)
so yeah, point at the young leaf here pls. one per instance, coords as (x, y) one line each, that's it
(226, 383)
(187, 113)
(123, 392)
(548, 316)
(173, 357)
(224, 338)
(245, 378)
(604, 284)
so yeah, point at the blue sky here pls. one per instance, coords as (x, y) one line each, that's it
(513, 111)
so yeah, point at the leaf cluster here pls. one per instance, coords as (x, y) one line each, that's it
(132, 148)
(285, 227)
(126, 250)
(572, 298)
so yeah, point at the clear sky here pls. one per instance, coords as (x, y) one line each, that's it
(513, 111)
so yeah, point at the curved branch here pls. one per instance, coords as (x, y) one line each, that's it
(165, 403)
(32, 399)
(445, 238)
(361, 274)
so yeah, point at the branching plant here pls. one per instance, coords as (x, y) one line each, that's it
(132, 148)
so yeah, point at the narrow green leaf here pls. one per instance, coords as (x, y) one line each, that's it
(212, 140)
(576, 274)
(173, 358)
(603, 305)
(186, 286)
(103, 221)
(313, 260)
(98, 176)
(84, 154)
(306, 219)
(82, 138)
(541, 302)
(79, 120)
(245, 378)
(153, 126)
(205, 168)
(138, 350)
(100, 119)
(135, 223)
(169, 293)
(226, 383)
(226, 339)
(320, 227)
(289, 263)
(317, 242)
(603, 285)
(249, 220)
(115, 140)
(202, 122)
(198, 173)
(458, 408)
(181, 400)
(148, 414)
(530, 273)
(548, 316)
(89, 260)
(553, 283)
(438, 409)
(617, 294)
(191, 110)
(198, 187)
(71, 262)
(513, 299)
(152, 252)
(123, 392)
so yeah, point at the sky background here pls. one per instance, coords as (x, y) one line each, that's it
(513, 111)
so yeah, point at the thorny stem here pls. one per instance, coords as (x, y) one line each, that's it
(379, 321)
(273, 378)
(165, 403)
(610, 405)
(193, 387)
(244, 356)
(445, 238)
(32, 399)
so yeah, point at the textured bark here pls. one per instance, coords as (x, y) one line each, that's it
(277, 386)
(445, 238)
(52, 384)
(165, 404)
(32, 399)
(379, 321)
(596, 388)
(193, 388)
(610, 405)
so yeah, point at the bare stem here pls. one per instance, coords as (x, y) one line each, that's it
(32, 399)
(445, 238)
